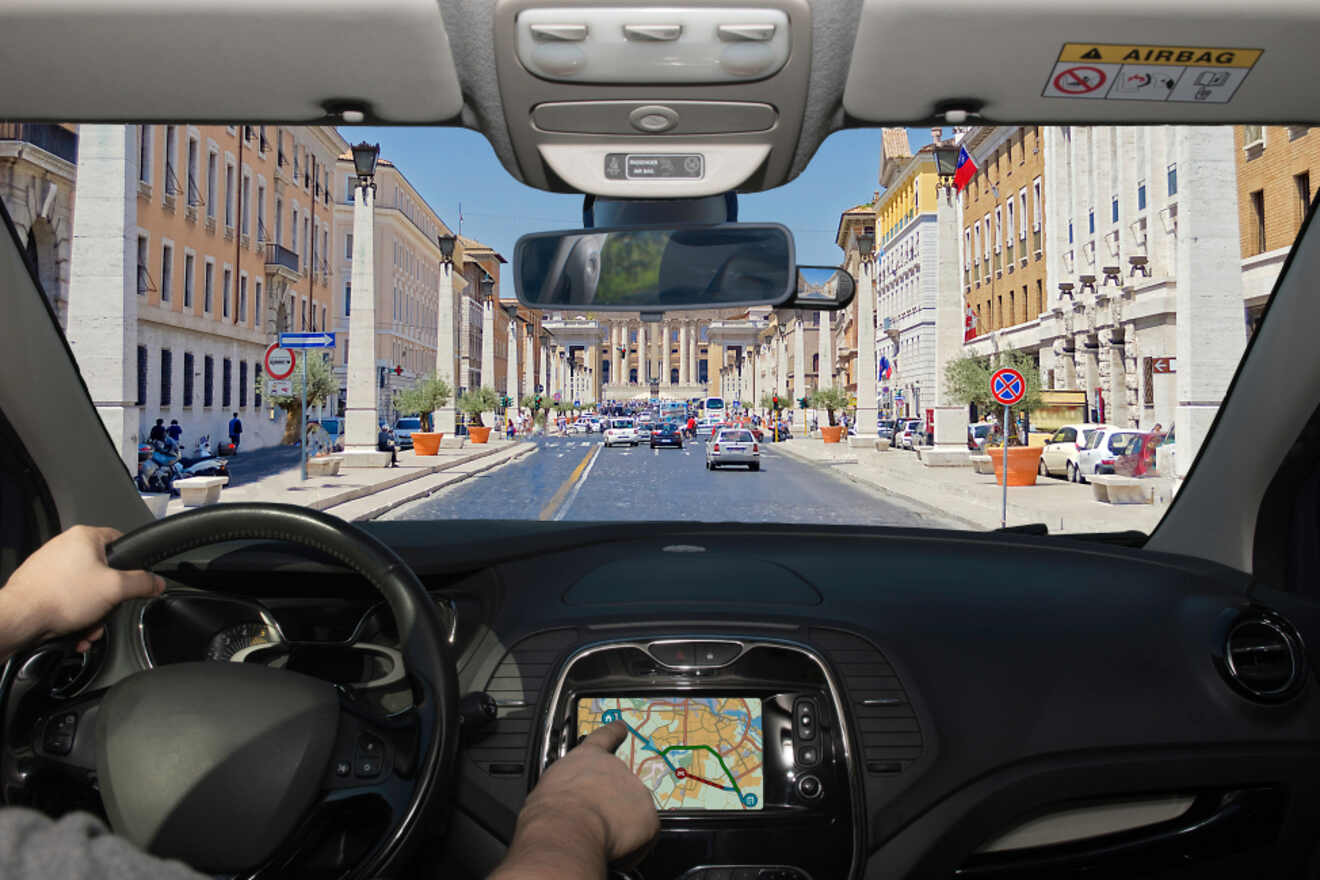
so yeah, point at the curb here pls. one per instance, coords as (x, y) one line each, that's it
(921, 507)
(431, 490)
(363, 491)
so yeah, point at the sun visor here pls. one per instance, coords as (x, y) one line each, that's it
(1050, 61)
(242, 60)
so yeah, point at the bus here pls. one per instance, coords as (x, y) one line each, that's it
(714, 408)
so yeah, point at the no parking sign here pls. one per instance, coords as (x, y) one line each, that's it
(1007, 386)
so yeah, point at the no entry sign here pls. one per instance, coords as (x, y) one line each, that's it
(1007, 386)
(279, 362)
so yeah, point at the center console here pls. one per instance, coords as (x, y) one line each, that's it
(741, 743)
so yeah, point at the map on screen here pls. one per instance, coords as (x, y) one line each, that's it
(693, 753)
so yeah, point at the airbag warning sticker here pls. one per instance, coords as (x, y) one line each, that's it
(1123, 72)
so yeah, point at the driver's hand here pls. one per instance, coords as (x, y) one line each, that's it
(66, 587)
(587, 810)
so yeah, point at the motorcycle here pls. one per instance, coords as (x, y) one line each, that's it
(159, 471)
(204, 463)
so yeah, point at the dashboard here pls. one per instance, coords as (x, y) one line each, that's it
(811, 702)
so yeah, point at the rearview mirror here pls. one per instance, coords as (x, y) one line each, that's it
(650, 269)
(822, 289)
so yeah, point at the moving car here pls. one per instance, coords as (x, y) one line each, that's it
(1059, 454)
(403, 431)
(733, 446)
(1102, 451)
(667, 434)
(707, 424)
(621, 432)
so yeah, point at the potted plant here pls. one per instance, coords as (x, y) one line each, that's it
(473, 404)
(831, 400)
(967, 380)
(423, 399)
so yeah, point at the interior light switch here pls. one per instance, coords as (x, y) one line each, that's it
(735, 33)
(566, 33)
(653, 33)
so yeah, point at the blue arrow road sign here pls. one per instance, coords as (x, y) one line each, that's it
(307, 340)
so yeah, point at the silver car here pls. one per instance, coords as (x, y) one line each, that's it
(733, 446)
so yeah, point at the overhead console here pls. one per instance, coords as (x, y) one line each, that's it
(742, 743)
(653, 101)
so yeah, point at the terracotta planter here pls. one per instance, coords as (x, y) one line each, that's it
(1023, 462)
(831, 433)
(478, 434)
(426, 442)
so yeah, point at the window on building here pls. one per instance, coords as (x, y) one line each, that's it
(1141, 195)
(985, 251)
(144, 153)
(999, 228)
(141, 399)
(166, 271)
(306, 252)
(967, 249)
(189, 279)
(323, 326)
(143, 277)
(187, 378)
(1114, 210)
(212, 161)
(256, 385)
(1070, 232)
(171, 145)
(1302, 186)
(229, 196)
(194, 194)
(208, 286)
(348, 246)
(1090, 221)
(348, 297)
(245, 205)
(261, 212)
(349, 180)
(1035, 205)
(1040, 298)
(166, 375)
(303, 320)
(227, 280)
(1253, 135)
(242, 384)
(226, 383)
(279, 221)
(256, 304)
(242, 298)
(1173, 179)
(1258, 221)
(1011, 225)
(293, 231)
(208, 380)
(1012, 308)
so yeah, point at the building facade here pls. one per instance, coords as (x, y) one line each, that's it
(38, 169)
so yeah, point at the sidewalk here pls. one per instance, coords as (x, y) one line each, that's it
(336, 494)
(958, 493)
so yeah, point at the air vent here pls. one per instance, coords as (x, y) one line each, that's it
(886, 723)
(516, 685)
(1263, 657)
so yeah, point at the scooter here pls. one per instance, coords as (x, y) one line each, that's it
(204, 463)
(159, 471)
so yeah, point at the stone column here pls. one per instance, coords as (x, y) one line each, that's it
(487, 344)
(545, 368)
(102, 317)
(445, 419)
(866, 408)
(825, 344)
(641, 354)
(360, 411)
(619, 355)
(670, 363)
(799, 375)
(950, 428)
(529, 362)
(1211, 333)
(511, 373)
(684, 377)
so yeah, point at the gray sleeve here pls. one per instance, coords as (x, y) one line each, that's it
(75, 847)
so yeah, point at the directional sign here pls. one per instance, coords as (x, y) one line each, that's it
(307, 340)
(279, 362)
(280, 387)
(1007, 386)
(1162, 365)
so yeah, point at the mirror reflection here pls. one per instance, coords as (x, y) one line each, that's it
(823, 287)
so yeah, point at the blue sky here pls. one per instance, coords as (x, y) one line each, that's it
(449, 166)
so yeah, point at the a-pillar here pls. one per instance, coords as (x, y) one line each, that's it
(799, 374)
(445, 419)
(361, 416)
(103, 295)
(866, 409)
(1211, 333)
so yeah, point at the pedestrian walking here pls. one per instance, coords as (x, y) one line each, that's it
(175, 430)
(385, 443)
(235, 431)
(157, 431)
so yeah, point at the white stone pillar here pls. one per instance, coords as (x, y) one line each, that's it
(866, 408)
(667, 360)
(825, 345)
(102, 317)
(444, 419)
(511, 371)
(799, 375)
(545, 368)
(361, 415)
(593, 374)
(642, 358)
(618, 355)
(529, 363)
(1211, 332)
(488, 344)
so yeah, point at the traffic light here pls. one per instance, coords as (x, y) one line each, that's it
(774, 401)
(398, 371)
(802, 403)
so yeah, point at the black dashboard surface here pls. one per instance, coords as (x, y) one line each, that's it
(1041, 672)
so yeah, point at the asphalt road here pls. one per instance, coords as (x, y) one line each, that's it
(576, 478)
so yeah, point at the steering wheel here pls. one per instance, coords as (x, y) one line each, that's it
(227, 765)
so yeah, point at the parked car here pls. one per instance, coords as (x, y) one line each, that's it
(334, 428)
(1059, 455)
(884, 429)
(621, 432)
(1101, 451)
(911, 433)
(977, 435)
(403, 431)
(667, 434)
(1137, 457)
(733, 446)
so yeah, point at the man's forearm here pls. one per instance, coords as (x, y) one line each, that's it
(551, 845)
(20, 623)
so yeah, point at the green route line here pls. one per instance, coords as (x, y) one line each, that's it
(611, 715)
(718, 757)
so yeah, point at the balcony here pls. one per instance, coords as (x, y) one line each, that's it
(59, 142)
(282, 262)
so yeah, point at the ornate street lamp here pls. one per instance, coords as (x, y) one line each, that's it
(447, 248)
(365, 156)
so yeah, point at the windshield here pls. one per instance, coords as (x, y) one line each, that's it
(1121, 270)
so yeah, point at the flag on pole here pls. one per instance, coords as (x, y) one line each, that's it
(964, 170)
(969, 325)
(886, 368)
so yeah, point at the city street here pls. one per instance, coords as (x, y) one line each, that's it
(576, 478)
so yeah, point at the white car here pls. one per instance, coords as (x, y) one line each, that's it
(706, 426)
(911, 432)
(733, 446)
(621, 432)
(1060, 453)
(1100, 452)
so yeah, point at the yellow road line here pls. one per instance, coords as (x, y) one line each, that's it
(557, 499)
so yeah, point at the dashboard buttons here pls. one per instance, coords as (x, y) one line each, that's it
(809, 787)
(694, 655)
(808, 756)
(804, 720)
(368, 757)
(343, 768)
(653, 118)
(59, 733)
(368, 768)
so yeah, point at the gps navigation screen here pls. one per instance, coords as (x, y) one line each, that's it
(693, 753)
